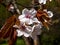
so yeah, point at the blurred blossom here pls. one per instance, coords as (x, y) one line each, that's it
(43, 1)
(33, 27)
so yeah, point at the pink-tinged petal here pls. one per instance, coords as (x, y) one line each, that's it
(21, 17)
(28, 16)
(11, 7)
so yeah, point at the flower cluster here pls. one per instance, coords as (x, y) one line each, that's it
(32, 27)
(29, 24)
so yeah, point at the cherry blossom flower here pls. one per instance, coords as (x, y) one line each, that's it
(27, 16)
(33, 27)
(43, 1)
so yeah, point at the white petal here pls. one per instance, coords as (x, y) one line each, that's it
(29, 29)
(24, 20)
(33, 28)
(26, 34)
(40, 1)
(50, 14)
(25, 11)
(19, 32)
(15, 26)
(36, 20)
(33, 12)
(29, 21)
(44, 2)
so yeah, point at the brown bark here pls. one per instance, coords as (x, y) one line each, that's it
(13, 38)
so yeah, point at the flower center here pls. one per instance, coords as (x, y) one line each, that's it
(28, 16)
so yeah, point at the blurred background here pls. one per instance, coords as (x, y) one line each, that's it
(51, 37)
